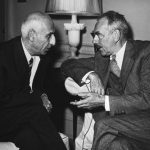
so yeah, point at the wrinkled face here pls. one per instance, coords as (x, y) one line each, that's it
(103, 37)
(44, 39)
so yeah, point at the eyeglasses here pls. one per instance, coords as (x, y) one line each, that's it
(100, 35)
(48, 36)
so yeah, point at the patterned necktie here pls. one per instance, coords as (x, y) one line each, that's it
(30, 65)
(114, 66)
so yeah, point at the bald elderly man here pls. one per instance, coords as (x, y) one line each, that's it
(24, 102)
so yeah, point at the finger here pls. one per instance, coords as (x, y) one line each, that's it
(82, 102)
(83, 106)
(84, 94)
(78, 102)
(96, 90)
(73, 103)
(79, 105)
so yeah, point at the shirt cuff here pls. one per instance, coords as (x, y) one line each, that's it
(107, 106)
(84, 79)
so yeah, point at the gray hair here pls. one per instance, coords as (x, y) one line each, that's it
(34, 21)
(118, 21)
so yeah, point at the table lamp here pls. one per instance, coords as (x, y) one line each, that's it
(74, 8)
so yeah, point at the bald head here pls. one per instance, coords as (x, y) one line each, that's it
(36, 21)
(38, 33)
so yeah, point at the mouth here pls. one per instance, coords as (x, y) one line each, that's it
(46, 50)
(97, 47)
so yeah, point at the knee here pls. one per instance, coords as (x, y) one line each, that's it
(101, 124)
(120, 143)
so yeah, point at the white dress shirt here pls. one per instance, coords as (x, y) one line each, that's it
(36, 60)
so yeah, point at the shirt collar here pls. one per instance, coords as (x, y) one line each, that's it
(27, 54)
(120, 55)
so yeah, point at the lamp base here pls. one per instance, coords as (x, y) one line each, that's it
(73, 35)
(73, 51)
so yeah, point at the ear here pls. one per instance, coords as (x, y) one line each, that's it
(117, 35)
(32, 34)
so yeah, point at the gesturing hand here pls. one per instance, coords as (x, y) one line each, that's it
(89, 100)
(96, 85)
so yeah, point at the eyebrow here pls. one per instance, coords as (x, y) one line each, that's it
(96, 33)
(49, 34)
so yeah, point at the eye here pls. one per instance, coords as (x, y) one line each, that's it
(49, 35)
(100, 36)
(92, 34)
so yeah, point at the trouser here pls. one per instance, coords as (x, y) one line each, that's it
(33, 130)
(123, 132)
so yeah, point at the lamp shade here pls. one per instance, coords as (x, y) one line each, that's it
(79, 7)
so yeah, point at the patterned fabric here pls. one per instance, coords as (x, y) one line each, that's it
(114, 67)
(30, 66)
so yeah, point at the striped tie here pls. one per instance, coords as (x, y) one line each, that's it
(30, 65)
(114, 66)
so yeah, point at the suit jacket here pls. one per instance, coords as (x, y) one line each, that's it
(135, 77)
(15, 97)
(129, 109)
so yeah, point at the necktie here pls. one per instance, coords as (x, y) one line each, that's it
(30, 65)
(114, 67)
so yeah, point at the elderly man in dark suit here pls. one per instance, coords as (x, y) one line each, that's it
(119, 76)
(24, 103)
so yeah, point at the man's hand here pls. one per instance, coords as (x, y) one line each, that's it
(89, 100)
(46, 102)
(96, 85)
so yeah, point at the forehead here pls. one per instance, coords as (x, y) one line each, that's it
(50, 25)
(101, 25)
(47, 26)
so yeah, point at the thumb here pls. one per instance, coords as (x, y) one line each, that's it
(84, 94)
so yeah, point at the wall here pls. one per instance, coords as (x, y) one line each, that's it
(136, 12)
(16, 12)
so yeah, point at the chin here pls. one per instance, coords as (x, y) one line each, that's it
(103, 54)
(45, 52)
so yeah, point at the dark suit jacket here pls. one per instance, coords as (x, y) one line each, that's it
(135, 76)
(14, 81)
(135, 81)
(19, 107)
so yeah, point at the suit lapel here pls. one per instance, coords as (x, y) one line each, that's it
(20, 59)
(102, 67)
(40, 73)
(128, 62)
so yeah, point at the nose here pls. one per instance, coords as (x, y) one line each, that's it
(52, 40)
(95, 39)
